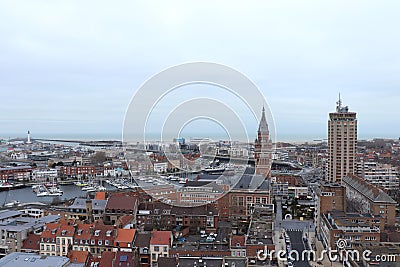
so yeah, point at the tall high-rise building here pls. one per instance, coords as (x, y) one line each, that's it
(342, 143)
(263, 148)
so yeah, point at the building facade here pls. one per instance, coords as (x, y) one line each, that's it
(363, 197)
(342, 143)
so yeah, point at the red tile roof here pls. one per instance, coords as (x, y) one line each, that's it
(124, 220)
(50, 230)
(82, 231)
(66, 230)
(161, 238)
(238, 240)
(100, 195)
(125, 236)
(107, 258)
(91, 262)
(32, 242)
(142, 240)
(103, 232)
(121, 202)
(76, 256)
(123, 259)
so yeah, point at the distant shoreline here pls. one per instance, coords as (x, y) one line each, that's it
(76, 138)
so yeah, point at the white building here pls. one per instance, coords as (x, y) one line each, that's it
(381, 175)
(43, 175)
(160, 167)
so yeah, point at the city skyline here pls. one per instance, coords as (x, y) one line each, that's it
(76, 75)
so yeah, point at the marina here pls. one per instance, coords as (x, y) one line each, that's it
(26, 194)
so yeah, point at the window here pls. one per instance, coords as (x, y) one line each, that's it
(249, 199)
(165, 249)
(241, 201)
(106, 243)
(100, 242)
(156, 248)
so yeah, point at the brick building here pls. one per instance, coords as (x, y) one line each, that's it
(364, 197)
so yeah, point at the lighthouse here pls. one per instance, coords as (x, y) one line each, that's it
(29, 137)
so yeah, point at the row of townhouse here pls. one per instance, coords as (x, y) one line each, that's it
(63, 237)
(17, 173)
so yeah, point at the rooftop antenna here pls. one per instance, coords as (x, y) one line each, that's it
(339, 104)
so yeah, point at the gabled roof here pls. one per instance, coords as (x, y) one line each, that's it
(123, 258)
(251, 182)
(98, 204)
(161, 238)
(107, 258)
(125, 235)
(368, 190)
(103, 232)
(121, 201)
(50, 230)
(79, 203)
(66, 230)
(83, 231)
(143, 240)
(77, 256)
(100, 196)
(32, 242)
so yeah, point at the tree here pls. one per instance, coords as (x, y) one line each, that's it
(99, 157)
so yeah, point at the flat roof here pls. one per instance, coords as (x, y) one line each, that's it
(30, 259)
(4, 214)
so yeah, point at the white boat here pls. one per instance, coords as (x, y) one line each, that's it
(36, 186)
(101, 188)
(55, 194)
(174, 178)
(123, 187)
(43, 194)
(182, 181)
(91, 189)
(80, 184)
(12, 204)
(87, 188)
(51, 192)
(55, 190)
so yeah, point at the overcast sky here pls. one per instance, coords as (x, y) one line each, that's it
(71, 67)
